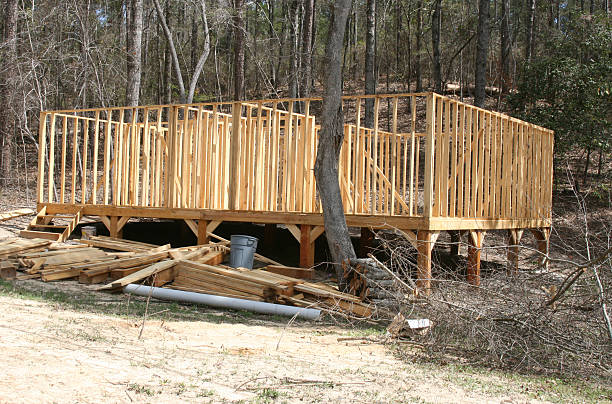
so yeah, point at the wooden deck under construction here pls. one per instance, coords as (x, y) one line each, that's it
(424, 164)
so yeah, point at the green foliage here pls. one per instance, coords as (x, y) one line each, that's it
(568, 87)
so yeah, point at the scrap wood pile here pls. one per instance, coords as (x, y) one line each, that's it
(117, 263)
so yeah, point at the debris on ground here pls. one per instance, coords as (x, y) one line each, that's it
(401, 327)
(116, 263)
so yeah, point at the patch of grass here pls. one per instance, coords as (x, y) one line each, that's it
(550, 388)
(117, 305)
(266, 395)
(205, 393)
(140, 389)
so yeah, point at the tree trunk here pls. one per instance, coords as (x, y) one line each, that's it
(294, 22)
(8, 87)
(239, 36)
(134, 52)
(482, 48)
(506, 47)
(370, 55)
(530, 26)
(330, 141)
(306, 47)
(419, 33)
(436, 27)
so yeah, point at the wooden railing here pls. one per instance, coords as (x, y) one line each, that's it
(435, 157)
(486, 164)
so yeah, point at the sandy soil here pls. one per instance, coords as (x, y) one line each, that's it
(58, 355)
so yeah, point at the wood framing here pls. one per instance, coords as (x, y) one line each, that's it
(459, 168)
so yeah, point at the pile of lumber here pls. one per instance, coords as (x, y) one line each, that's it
(89, 261)
(266, 286)
(200, 269)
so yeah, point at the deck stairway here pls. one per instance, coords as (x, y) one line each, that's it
(52, 227)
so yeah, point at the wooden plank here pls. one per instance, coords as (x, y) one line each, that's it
(42, 145)
(4, 216)
(394, 156)
(293, 272)
(140, 275)
(428, 187)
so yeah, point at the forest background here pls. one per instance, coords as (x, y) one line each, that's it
(546, 61)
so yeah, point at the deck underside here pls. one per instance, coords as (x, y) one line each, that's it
(314, 219)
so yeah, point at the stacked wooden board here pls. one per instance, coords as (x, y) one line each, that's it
(118, 263)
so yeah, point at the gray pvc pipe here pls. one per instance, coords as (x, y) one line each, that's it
(222, 301)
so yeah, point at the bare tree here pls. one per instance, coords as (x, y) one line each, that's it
(506, 43)
(436, 27)
(7, 89)
(370, 59)
(482, 48)
(134, 52)
(294, 22)
(530, 26)
(239, 36)
(330, 142)
(307, 31)
(187, 98)
(419, 34)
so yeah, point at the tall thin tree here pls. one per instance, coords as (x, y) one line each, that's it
(506, 47)
(8, 120)
(239, 38)
(482, 48)
(436, 27)
(134, 52)
(330, 142)
(370, 60)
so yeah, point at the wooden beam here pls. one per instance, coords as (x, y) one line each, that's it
(474, 249)
(115, 230)
(202, 231)
(212, 225)
(514, 239)
(295, 232)
(316, 232)
(307, 247)
(542, 237)
(425, 243)
(106, 221)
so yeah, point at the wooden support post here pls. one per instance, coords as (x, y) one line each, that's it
(514, 239)
(307, 246)
(115, 230)
(425, 243)
(542, 237)
(202, 232)
(474, 249)
(365, 241)
(455, 239)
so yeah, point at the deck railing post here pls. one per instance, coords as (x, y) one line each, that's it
(170, 173)
(42, 147)
(234, 178)
(429, 156)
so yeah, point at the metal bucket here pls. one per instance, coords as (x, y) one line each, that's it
(88, 232)
(242, 251)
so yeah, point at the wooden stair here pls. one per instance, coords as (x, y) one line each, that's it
(42, 227)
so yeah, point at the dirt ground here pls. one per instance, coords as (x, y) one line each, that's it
(56, 354)
(63, 343)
